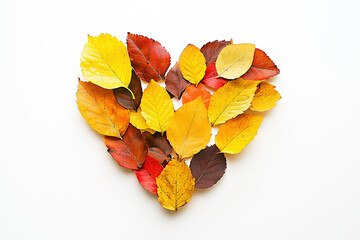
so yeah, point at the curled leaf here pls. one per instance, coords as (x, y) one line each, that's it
(125, 98)
(101, 111)
(175, 185)
(236, 133)
(149, 59)
(207, 167)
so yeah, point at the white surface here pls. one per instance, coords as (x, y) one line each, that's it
(298, 179)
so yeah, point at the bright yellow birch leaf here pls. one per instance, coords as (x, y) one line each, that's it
(231, 100)
(175, 185)
(236, 133)
(234, 60)
(192, 64)
(138, 121)
(101, 110)
(105, 62)
(189, 130)
(156, 107)
(265, 97)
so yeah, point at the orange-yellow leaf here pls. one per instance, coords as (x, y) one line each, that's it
(101, 110)
(192, 92)
(175, 185)
(265, 97)
(236, 133)
(192, 64)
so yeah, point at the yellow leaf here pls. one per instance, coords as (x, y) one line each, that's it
(189, 130)
(101, 110)
(105, 62)
(175, 185)
(192, 64)
(236, 133)
(156, 107)
(265, 97)
(234, 60)
(231, 100)
(138, 121)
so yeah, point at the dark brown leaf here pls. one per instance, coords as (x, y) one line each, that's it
(211, 50)
(130, 151)
(207, 167)
(158, 155)
(158, 141)
(124, 97)
(175, 83)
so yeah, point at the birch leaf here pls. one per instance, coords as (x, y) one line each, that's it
(175, 185)
(236, 133)
(189, 130)
(192, 64)
(105, 62)
(156, 107)
(101, 111)
(234, 60)
(265, 97)
(231, 100)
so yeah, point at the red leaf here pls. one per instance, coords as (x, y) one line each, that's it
(192, 92)
(174, 81)
(211, 50)
(130, 151)
(149, 59)
(262, 67)
(207, 167)
(158, 141)
(210, 78)
(124, 97)
(158, 155)
(148, 173)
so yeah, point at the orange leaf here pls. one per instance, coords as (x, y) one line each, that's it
(192, 92)
(262, 67)
(100, 109)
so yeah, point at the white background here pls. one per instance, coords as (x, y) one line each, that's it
(298, 179)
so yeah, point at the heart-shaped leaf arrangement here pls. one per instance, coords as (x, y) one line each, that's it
(218, 84)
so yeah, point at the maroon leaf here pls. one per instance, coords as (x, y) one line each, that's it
(211, 50)
(149, 59)
(158, 155)
(262, 67)
(174, 81)
(207, 167)
(211, 80)
(124, 97)
(130, 151)
(148, 173)
(158, 141)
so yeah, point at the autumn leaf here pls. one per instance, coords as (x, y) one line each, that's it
(175, 185)
(265, 97)
(148, 173)
(192, 64)
(207, 167)
(158, 140)
(231, 100)
(234, 60)
(157, 154)
(211, 78)
(175, 83)
(105, 62)
(236, 133)
(189, 130)
(261, 68)
(149, 59)
(130, 151)
(212, 49)
(192, 92)
(101, 111)
(124, 97)
(156, 107)
(138, 121)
